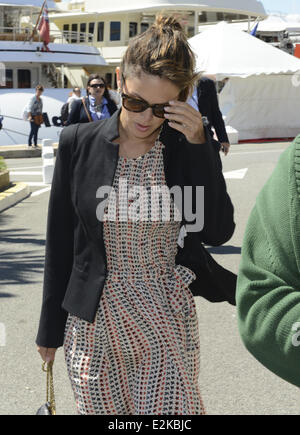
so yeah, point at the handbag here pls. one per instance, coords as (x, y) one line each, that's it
(213, 282)
(86, 110)
(38, 119)
(49, 407)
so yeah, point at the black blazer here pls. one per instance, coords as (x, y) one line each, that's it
(75, 264)
(79, 115)
(209, 106)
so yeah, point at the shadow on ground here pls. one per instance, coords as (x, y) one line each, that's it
(21, 256)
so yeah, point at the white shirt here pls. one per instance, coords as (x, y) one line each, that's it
(193, 100)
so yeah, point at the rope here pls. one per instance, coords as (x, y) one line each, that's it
(11, 117)
(17, 132)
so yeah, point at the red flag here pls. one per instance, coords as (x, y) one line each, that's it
(44, 28)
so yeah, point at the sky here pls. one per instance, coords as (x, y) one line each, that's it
(284, 6)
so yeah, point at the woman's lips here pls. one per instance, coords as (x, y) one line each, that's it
(142, 128)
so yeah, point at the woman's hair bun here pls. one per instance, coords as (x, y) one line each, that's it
(165, 23)
(162, 50)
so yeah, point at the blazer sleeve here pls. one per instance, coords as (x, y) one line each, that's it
(217, 120)
(74, 114)
(204, 159)
(59, 249)
(268, 297)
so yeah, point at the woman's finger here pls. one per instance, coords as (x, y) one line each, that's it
(181, 119)
(179, 127)
(183, 109)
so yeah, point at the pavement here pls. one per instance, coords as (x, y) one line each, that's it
(232, 382)
(22, 151)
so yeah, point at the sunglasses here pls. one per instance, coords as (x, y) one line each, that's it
(97, 85)
(134, 105)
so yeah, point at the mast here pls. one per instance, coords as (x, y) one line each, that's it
(37, 22)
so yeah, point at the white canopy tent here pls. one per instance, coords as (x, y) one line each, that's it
(262, 97)
(271, 24)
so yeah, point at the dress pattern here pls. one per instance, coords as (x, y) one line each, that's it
(141, 356)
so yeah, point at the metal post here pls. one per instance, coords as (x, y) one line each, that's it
(196, 22)
(48, 160)
(62, 76)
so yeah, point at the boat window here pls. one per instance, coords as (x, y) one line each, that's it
(115, 30)
(74, 38)
(108, 79)
(203, 17)
(8, 79)
(66, 29)
(91, 29)
(24, 78)
(132, 30)
(82, 32)
(144, 27)
(100, 36)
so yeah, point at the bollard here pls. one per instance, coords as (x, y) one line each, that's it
(48, 160)
(233, 135)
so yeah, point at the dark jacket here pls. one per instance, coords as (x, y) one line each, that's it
(209, 106)
(75, 265)
(79, 115)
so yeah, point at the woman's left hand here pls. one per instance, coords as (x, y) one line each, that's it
(187, 120)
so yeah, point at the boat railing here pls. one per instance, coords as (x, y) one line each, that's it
(65, 37)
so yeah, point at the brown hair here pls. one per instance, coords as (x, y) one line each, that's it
(97, 77)
(162, 50)
(39, 88)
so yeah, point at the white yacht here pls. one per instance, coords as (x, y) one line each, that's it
(86, 36)
(23, 65)
(111, 24)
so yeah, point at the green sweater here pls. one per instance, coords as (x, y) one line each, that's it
(268, 289)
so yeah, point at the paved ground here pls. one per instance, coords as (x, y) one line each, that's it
(232, 381)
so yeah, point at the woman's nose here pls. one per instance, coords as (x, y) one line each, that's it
(147, 114)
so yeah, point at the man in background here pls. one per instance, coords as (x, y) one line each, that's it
(205, 99)
(76, 95)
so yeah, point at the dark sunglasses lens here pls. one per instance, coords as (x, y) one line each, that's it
(134, 105)
(159, 110)
(99, 85)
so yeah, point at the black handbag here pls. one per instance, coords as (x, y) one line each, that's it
(49, 407)
(213, 282)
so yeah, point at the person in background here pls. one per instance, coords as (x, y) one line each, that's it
(97, 105)
(268, 296)
(76, 95)
(205, 99)
(35, 115)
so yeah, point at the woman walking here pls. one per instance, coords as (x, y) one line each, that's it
(97, 105)
(35, 115)
(115, 293)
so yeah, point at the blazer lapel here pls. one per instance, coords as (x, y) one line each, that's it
(97, 169)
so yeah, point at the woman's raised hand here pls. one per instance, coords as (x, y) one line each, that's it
(187, 120)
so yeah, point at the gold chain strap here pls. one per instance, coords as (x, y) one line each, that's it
(50, 398)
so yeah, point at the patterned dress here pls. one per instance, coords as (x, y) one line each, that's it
(141, 356)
